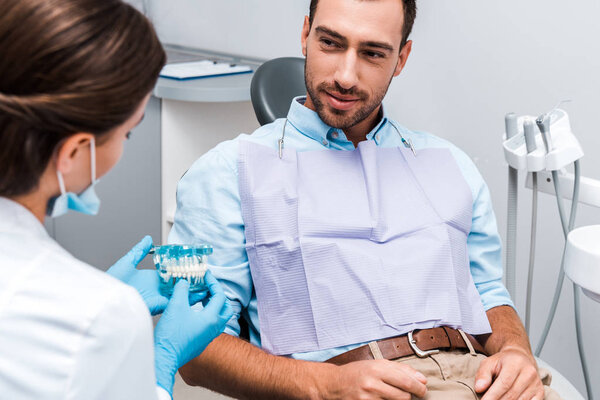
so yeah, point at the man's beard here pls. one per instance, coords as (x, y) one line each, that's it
(341, 119)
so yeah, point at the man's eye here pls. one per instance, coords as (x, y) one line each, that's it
(374, 54)
(328, 42)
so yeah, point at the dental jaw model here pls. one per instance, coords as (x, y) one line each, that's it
(175, 262)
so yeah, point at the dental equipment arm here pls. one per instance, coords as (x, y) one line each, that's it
(549, 145)
(560, 148)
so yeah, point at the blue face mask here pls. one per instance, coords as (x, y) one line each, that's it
(86, 202)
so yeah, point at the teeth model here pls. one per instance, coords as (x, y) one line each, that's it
(190, 268)
(174, 262)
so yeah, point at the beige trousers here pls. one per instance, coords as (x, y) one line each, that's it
(451, 375)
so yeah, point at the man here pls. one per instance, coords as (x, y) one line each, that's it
(353, 240)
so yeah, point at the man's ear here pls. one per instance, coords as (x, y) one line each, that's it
(403, 57)
(70, 150)
(305, 32)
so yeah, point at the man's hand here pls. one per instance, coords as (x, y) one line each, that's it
(511, 371)
(509, 374)
(374, 379)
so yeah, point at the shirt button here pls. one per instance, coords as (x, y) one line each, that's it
(377, 137)
(334, 135)
(324, 142)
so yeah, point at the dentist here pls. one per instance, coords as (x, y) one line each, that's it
(75, 77)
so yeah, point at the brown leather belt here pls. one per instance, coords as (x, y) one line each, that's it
(421, 343)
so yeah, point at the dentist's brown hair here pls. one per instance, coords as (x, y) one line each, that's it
(67, 66)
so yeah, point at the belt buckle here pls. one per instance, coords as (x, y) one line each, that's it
(420, 353)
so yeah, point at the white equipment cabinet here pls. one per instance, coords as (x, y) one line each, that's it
(196, 115)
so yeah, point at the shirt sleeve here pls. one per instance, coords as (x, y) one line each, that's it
(209, 211)
(115, 357)
(483, 243)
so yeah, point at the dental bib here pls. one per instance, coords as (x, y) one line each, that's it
(347, 247)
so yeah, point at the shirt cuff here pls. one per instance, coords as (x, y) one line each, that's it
(162, 394)
(494, 294)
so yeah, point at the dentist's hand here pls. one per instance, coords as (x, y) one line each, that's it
(145, 281)
(182, 333)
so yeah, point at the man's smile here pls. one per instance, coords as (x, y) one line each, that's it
(340, 101)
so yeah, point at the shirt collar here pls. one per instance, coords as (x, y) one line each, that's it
(375, 132)
(14, 217)
(308, 122)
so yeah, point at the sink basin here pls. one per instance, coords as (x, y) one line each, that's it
(582, 259)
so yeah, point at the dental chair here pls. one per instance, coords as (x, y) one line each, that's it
(274, 85)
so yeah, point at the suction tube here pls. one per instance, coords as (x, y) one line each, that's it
(567, 227)
(511, 235)
(511, 232)
(530, 132)
(534, 209)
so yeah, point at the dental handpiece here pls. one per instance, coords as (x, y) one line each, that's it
(511, 125)
(530, 132)
(543, 123)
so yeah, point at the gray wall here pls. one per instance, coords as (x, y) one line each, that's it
(472, 62)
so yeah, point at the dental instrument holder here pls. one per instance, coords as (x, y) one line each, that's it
(528, 148)
(564, 148)
(175, 262)
(553, 149)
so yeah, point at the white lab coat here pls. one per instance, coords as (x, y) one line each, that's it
(67, 330)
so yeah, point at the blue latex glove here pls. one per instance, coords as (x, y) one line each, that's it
(182, 333)
(145, 281)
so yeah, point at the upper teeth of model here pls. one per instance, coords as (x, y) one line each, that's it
(185, 268)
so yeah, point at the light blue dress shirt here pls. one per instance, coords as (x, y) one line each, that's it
(209, 211)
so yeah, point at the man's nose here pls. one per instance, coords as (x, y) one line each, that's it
(346, 75)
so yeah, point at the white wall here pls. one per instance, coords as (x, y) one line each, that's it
(473, 61)
(260, 28)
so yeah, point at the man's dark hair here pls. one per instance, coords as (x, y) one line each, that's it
(410, 13)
